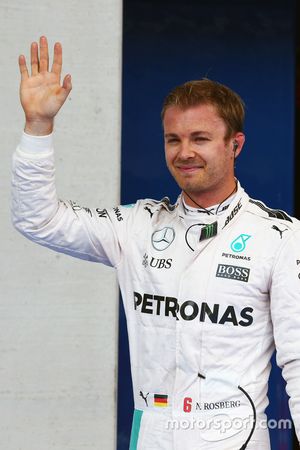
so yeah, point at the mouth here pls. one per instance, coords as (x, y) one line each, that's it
(189, 169)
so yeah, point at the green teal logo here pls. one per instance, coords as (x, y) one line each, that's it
(239, 244)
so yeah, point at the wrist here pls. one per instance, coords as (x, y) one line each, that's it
(36, 145)
(39, 127)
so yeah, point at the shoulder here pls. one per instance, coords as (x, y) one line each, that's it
(276, 216)
(142, 208)
(273, 228)
(163, 203)
(150, 206)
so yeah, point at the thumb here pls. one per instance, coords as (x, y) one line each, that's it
(67, 85)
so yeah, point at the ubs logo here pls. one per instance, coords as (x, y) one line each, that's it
(162, 239)
(160, 263)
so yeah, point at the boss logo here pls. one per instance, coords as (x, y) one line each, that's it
(233, 272)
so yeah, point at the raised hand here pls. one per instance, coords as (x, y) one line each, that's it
(41, 93)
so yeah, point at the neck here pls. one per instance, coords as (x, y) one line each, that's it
(207, 199)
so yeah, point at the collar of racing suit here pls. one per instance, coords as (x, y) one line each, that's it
(220, 217)
(214, 210)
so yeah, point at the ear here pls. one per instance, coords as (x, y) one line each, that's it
(237, 141)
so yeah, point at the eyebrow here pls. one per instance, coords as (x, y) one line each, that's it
(193, 134)
(170, 135)
(197, 133)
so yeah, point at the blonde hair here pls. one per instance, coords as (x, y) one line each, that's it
(229, 105)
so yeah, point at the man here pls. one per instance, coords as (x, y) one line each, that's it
(201, 329)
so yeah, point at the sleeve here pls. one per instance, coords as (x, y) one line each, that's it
(94, 234)
(285, 312)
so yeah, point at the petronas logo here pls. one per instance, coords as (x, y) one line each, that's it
(239, 244)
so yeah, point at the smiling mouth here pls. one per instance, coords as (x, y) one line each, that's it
(189, 169)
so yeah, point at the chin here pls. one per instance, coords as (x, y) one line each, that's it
(193, 190)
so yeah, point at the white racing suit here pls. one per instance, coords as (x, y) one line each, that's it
(204, 300)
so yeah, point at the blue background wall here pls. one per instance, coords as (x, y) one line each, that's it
(248, 45)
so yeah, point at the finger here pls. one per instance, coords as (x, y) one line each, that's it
(57, 59)
(34, 58)
(23, 67)
(44, 55)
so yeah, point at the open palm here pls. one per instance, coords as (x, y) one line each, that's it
(42, 94)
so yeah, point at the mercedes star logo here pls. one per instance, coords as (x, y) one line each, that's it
(162, 239)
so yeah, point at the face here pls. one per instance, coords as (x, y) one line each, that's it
(197, 155)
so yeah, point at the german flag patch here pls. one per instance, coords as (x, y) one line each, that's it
(160, 400)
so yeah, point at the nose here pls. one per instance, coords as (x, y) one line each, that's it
(186, 150)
